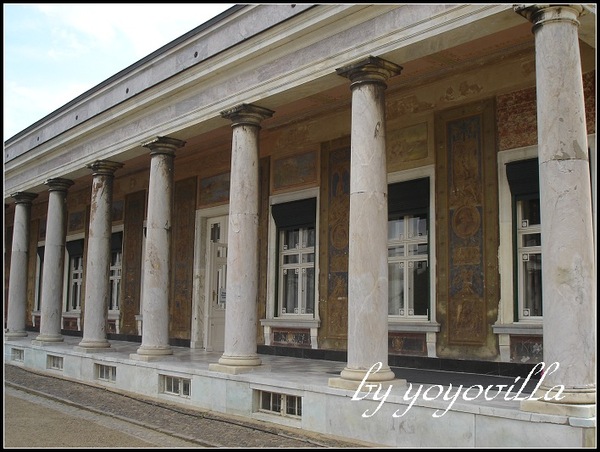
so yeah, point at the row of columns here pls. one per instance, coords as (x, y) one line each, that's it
(567, 246)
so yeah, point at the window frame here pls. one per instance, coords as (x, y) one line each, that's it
(67, 286)
(273, 310)
(396, 321)
(39, 275)
(115, 277)
(405, 262)
(519, 251)
(508, 310)
(300, 268)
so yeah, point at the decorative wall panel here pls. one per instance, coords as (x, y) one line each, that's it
(466, 216)
(135, 204)
(214, 190)
(295, 171)
(182, 258)
(338, 205)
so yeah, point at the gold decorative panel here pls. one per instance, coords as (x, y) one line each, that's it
(466, 216)
(295, 171)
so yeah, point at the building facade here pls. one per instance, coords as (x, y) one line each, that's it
(402, 183)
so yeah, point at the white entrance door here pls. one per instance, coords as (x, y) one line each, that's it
(217, 279)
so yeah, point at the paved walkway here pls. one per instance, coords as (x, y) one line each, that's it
(43, 411)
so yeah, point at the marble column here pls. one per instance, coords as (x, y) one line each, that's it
(17, 284)
(155, 302)
(242, 242)
(568, 265)
(97, 267)
(54, 261)
(367, 252)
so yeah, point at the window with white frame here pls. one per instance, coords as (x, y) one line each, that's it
(105, 372)
(408, 249)
(177, 386)
(75, 275)
(280, 404)
(529, 255)
(523, 179)
(296, 245)
(116, 266)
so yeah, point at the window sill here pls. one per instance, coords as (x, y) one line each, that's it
(519, 329)
(413, 327)
(291, 322)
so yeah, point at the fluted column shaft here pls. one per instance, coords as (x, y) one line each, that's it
(97, 291)
(17, 284)
(54, 260)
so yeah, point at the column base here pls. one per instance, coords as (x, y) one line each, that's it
(573, 402)
(383, 374)
(93, 346)
(146, 353)
(48, 339)
(353, 385)
(11, 334)
(364, 380)
(236, 364)
(560, 409)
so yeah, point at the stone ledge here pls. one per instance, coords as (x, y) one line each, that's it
(236, 370)
(353, 385)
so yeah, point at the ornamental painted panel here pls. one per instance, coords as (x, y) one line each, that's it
(76, 221)
(132, 260)
(117, 210)
(214, 190)
(338, 201)
(407, 144)
(295, 171)
(466, 215)
(182, 258)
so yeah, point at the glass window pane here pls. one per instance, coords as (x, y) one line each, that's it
(308, 258)
(291, 238)
(532, 280)
(276, 402)
(396, 251)
(421, 227)
(309, 237)
(530, 210)
(395, 289)
(413, 249)
(395, 229)
(309, 290)
(417, 226)
(419, 302)
(290, 291)
(290, 259)
(532, 239)
(265, 402)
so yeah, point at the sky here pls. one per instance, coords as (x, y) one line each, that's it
(55, 52)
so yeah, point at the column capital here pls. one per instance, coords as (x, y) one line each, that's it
(104, 167)
(163, 145)
(370, 70)
(23, 197)
(247, 114)
(59, 184)
(541, 14)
